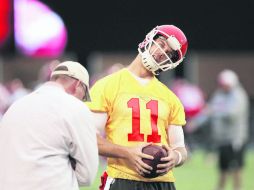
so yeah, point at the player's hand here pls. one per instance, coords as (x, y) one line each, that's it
(170, 160)
(135, 156)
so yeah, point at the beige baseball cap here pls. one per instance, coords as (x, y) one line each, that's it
(74, 70)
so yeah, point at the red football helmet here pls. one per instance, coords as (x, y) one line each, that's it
(175, 39)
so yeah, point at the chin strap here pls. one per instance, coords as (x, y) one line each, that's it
(150, 64)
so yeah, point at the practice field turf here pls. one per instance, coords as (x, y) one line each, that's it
(200, 173)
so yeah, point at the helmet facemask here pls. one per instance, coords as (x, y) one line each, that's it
(150, 48)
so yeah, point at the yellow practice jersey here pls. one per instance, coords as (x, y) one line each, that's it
(137, 114)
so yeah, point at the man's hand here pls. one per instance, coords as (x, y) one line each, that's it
(171, 161)
(132, 155)
(134, 158)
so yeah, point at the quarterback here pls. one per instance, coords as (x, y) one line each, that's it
(136, 109)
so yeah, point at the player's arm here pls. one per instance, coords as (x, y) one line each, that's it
(177, 153)
(106, 148)
(176, 141)
(133, 155)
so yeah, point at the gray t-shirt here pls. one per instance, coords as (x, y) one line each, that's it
(229, 116)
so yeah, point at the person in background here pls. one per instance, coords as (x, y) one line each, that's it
(47, 140)
(136, 109)
(4, 99)
(193, 100)
(228, 112)
(17, 90)
(45, 72)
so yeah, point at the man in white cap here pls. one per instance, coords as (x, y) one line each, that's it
(230, 115)
(228, 112)
(46, 138)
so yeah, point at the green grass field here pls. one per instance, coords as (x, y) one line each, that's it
(200, 173)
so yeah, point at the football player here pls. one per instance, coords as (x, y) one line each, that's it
(137, 109)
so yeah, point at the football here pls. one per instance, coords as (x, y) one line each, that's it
(157, 152)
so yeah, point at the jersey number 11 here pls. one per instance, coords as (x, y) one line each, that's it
(152, 105)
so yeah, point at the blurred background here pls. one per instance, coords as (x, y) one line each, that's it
(104, 36)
